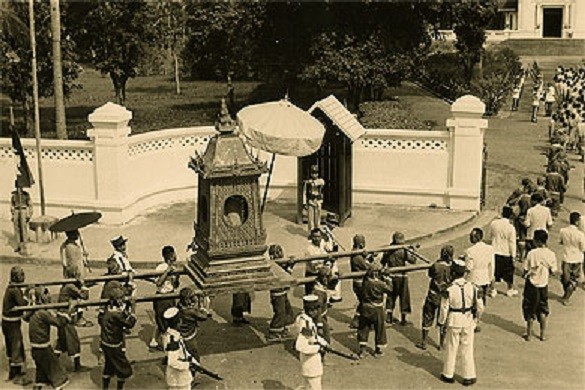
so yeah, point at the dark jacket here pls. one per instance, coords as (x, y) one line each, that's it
(113, 325)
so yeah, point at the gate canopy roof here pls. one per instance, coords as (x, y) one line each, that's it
(340, 116)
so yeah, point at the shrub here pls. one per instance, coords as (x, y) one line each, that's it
(389, 114)
(443, 74)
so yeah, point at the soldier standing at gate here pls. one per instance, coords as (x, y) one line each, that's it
(458, 311)
(21, 211)
(313, 190)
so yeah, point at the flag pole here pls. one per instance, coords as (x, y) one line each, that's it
(31, 14)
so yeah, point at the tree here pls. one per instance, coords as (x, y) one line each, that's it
(471, 19)
(170, 30)
(223, 37)
(60, 119)
(118, 34)
(362, 65)
(15, 56)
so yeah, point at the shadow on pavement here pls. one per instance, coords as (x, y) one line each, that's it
(270, 384)
(503, 323)
(426, 360)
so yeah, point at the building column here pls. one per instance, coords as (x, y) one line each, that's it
(110, 138)
(467, 128)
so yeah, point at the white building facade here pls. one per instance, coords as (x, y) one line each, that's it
(536, 19)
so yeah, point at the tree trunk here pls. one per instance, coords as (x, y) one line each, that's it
(60, 120)
(177, 73)
(117, 87)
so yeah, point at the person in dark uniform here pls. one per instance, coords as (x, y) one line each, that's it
(321, 289)
(241, 304)
(519, 201)
(67, 337)
(281, 308)
(191, 313)
(440, 275)
(21, 211)
(372, 310)
(556, 186)
(165, 284)
(48, 369)
(359, 262)
(11, 326)
(400, 288)
(117, 318)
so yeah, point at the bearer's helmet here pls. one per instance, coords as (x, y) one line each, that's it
(16, 274)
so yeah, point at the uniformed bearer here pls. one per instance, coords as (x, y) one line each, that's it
(458, 311)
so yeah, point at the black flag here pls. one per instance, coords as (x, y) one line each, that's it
(24, 178)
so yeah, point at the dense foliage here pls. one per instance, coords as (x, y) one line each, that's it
(16, 55)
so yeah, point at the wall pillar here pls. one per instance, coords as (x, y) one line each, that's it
(110, 138)
(466, 129)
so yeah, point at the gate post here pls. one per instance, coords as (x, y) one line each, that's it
(467, 128)
(110, 138)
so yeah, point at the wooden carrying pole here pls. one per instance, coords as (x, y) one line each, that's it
(97, 279)
(98, 302)
(336, 255)
(150, 298)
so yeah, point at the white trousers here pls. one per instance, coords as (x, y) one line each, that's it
(459, 339)
(313, 383)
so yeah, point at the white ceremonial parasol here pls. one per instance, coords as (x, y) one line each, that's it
(280, 128)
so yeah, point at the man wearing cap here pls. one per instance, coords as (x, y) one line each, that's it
(67, 336)
(400, 289)
(12, 324)
(48, 369)
(372, 310)
(321, 290)
(21, 211)
(119, 256)
(440, 275)
(191, 312)
(313, 190)
(165, 284)
(459, 307)
(178, 372)
(281, 308)
(117, 318)
(309, 344)
(573, 241)
(358, 263)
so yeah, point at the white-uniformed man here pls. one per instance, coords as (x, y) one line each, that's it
(309, 343)
(458, 310)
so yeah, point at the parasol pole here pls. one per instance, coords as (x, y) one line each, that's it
(31, 14)
(267, 183)
(84, 254)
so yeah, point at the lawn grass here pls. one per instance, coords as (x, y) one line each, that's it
(155, 105)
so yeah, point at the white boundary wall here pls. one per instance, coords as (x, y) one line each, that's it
(122, 175)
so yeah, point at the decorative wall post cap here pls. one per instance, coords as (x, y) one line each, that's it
(468, 106)
(109, 121)
(110, 113)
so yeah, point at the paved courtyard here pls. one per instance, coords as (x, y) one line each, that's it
(241, 354)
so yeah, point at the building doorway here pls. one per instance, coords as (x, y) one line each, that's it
(552, 22)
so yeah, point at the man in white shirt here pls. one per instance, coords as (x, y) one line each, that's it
(480, 263)
(309, 344)
(538, 217)
(165, 284)
(317, 247)
(504, 244)
(540, 263)
(573, 241)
